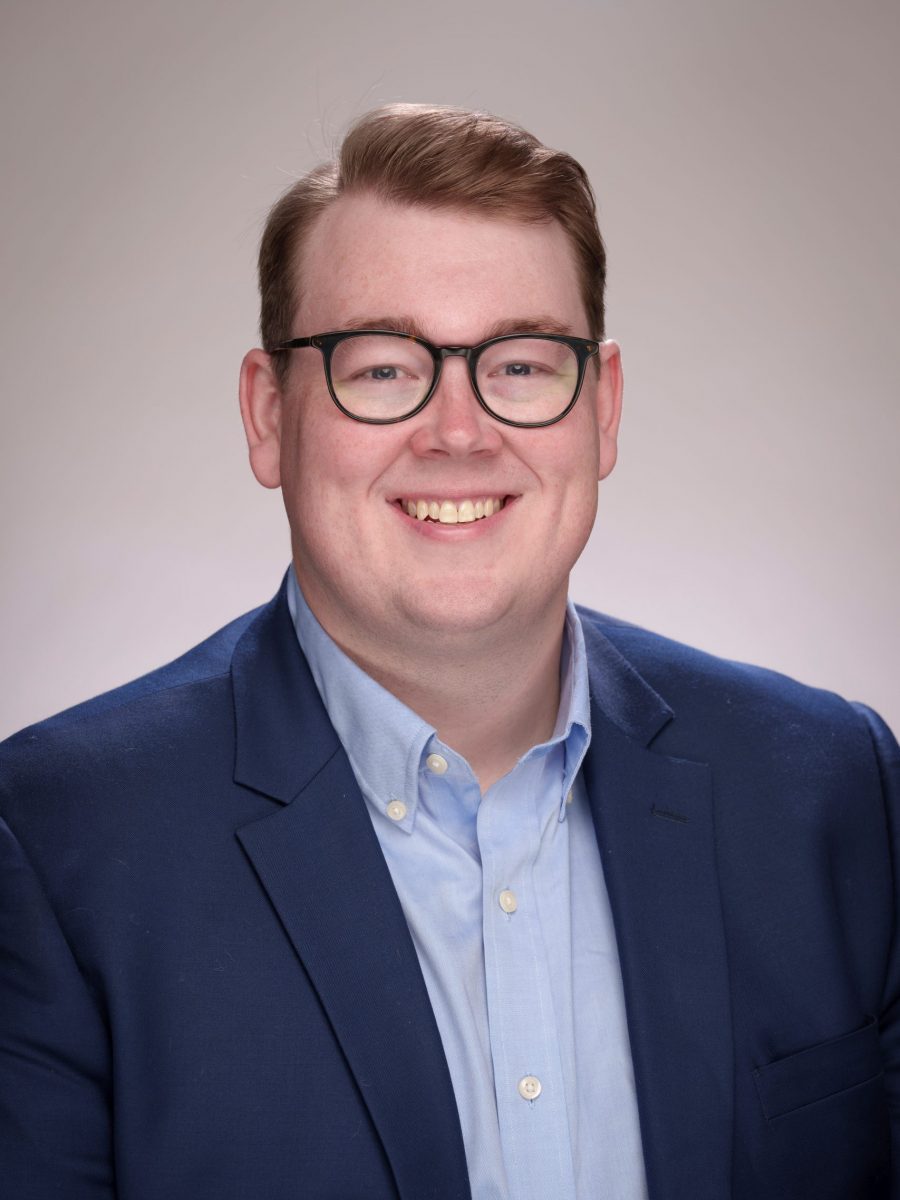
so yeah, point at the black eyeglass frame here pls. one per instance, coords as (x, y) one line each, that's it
(583, 348)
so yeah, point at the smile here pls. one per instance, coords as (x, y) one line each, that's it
(450, 512)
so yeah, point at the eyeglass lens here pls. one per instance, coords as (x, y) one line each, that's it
(380, 376)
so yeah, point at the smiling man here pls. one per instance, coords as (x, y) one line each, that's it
(435, 603)
(420, 881)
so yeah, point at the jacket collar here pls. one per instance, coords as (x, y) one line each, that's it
(283, 735)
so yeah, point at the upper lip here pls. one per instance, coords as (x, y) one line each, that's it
(455, 496)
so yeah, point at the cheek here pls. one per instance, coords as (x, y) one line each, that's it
(327, 459)
(303, 446)
(569, 455)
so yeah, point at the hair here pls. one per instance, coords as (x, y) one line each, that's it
(437, 157)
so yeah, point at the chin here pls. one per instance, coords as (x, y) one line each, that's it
(457, 606)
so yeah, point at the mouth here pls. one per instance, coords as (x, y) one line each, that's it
(452, 512)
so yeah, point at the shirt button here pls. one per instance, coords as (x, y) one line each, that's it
(569, 796)
(529, 1087)
(436, 763)
(396, 810)
(508, 901)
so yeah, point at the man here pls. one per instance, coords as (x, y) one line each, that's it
(417, 881)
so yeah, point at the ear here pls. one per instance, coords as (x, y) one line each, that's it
(609, 405)
(261, 410)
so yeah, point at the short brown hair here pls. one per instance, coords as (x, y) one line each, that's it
(439, 157)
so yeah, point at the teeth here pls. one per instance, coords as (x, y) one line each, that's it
(448, 513)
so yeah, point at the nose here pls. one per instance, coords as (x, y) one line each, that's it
(453, 422)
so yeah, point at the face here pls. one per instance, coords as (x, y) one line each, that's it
(370, 570)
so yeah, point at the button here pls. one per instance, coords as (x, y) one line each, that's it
(569, 796)
(436, 763)
(529, 1087)
(396, 810)
(508, 901)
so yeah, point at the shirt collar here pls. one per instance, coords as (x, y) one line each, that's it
(387, 742)
(384, 740)
(573, 721)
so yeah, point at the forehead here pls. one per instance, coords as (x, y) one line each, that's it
(455, 272)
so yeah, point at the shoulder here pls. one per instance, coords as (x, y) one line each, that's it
(153, 715)
(718, 703)
(681, 672)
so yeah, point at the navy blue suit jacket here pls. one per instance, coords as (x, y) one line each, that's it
(208, 990)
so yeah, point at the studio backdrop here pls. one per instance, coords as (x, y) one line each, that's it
(746, 167)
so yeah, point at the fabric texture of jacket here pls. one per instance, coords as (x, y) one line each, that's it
(208, 990)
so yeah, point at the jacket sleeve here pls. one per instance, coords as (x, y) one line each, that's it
(887, 753)
(55, 1129)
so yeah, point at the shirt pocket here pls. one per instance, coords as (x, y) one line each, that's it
(819, 1072)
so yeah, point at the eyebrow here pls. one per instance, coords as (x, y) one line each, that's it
(409, 325)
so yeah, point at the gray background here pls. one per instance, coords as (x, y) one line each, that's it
(745, 158)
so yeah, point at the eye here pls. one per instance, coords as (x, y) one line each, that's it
(517, 368)
(381, 373)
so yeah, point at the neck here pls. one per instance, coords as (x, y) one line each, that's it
(490, 710)
(487, 700)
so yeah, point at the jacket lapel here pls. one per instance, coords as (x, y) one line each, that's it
(319, 860)
(654, 820)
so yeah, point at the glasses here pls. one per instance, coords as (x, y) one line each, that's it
(380, 377)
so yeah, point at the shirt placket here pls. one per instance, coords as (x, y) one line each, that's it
(528, 1076)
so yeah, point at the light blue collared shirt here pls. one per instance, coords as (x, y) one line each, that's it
(505, 900)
